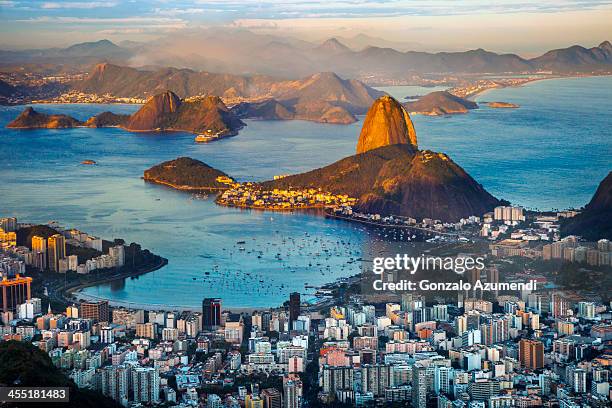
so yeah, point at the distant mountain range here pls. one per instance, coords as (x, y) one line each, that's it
(81, 53)
(322, 97)
(243, 52)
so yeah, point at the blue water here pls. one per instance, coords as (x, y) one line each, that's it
(550, 153)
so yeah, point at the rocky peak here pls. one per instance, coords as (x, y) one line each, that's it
(332, 45)
(386, 123)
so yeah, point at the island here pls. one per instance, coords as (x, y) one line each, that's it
(31, 119)
(440, 103)
(162, 112)
(502, 105)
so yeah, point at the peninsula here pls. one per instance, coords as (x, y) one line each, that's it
(185, 173)
(389, 175)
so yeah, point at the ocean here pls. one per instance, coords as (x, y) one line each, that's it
(550, 153)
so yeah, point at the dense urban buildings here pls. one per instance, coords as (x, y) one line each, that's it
(544, 346)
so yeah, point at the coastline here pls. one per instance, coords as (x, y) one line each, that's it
(182, 187)
(532, 80)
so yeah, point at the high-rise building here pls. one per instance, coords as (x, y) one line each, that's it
(586, 310)
(211, 313)
(531, 354)
(56, 250)
(214, 401)
(419, 386)
(145, 381)
(8, 224)
(293, 393)
(115, 383)
(294, 307)
(579, 381)
(272, 398)
(39, 248)
(95, 310)
(13, 292)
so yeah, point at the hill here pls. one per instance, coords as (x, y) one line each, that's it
(166, 111)
(30, 119)
(22, 363)
(595, 222)
(386, 123)
(185, 173)
(399, 180)
(440, 103)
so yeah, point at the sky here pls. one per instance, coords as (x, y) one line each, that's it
(522, 26)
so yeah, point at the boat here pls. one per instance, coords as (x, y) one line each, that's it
(89, 162)
(205, 138)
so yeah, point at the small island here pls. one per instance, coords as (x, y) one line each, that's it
(502, 105)
(440, 103)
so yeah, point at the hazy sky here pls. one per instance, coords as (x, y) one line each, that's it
(525, 27)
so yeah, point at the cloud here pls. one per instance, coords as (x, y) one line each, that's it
(106, 21)
(78, 5)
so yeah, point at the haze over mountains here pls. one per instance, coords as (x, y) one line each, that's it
(244, 52)
(322, 97)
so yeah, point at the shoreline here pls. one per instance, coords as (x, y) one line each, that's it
(532, 80)
(67, 294)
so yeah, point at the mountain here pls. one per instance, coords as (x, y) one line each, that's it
(595, 222)
(332, 46)
(185, 173)
(166, 111)
(81, 53)
(240, 52)
(30, 119)
(93, 49)
(576, 58)
(390, 176)
(386, 123)
(322, 97)
(440, 103)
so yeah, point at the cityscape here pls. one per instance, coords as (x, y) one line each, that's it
(545, 347)
(305, 204)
